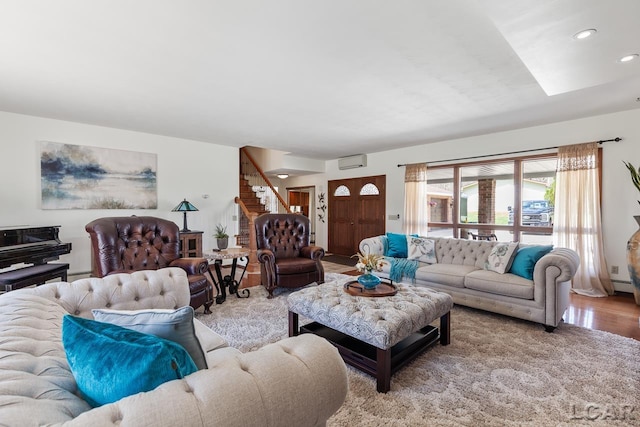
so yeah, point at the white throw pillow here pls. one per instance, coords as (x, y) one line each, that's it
(422, 249)
(173, 325)
(501, 257)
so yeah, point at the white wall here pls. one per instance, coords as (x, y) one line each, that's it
(619, 199)
(186, 169)
(191, 169)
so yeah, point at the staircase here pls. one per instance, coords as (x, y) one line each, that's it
(252, 203)
(250, 207)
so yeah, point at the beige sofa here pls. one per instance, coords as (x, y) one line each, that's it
(297, 381)
(460, 272)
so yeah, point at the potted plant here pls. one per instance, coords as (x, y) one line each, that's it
(633, 245)
(222, 238)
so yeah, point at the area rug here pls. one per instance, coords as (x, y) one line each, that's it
(497, 371)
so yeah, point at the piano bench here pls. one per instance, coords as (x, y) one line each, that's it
(35, 275)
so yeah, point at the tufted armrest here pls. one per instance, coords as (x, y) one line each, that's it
(191, 265)
(266, 256)
(372, 245)
(299, 381)
(564, 259)
(165, 288)
(312, 252)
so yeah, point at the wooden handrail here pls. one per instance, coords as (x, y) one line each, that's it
(239, 202)
(264, 177)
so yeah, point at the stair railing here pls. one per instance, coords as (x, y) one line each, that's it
(254, 174)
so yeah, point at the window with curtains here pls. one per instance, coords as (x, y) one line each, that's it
(509, 198)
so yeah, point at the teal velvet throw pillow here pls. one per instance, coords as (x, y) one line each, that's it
(526, 258)
(397, 245)
(110, 362)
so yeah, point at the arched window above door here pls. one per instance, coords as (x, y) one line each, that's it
(369, 189)
(342, 191)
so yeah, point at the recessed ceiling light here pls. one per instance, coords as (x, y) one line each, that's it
(581, 35)
(628, 58)
(282, 175)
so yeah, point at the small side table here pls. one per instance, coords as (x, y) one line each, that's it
(191, 244)
(228, 281)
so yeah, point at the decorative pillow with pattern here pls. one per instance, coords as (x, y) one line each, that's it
(422, 249)
(501, 257)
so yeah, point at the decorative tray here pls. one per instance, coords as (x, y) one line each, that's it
(356, 289)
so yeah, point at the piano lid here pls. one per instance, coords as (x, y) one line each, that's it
(31, 245)
(26, 227)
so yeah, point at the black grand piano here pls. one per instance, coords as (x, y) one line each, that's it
(35, 245)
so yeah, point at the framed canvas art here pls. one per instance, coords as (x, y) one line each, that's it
(82, 177)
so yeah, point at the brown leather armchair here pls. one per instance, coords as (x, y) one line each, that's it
(286, 258)
(126, 244)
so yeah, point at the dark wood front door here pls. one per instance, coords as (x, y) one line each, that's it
(356, 211)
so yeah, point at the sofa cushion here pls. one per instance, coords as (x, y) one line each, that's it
(110, 362)
(173, 325)
(501, 257)
(501, 284)
(421, 249)
(526, 258)
(445, 274)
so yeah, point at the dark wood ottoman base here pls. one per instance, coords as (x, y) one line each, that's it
(380, 363)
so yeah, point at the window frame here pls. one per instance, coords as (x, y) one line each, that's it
(517, 228)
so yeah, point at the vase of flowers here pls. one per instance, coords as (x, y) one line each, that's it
(633, 245)
(367, 264)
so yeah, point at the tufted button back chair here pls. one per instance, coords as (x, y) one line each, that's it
(286, 257)
(127, 244)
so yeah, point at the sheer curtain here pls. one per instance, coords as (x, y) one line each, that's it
(577, 223)
(415, 199)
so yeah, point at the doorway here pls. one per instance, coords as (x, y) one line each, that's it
(356, 211)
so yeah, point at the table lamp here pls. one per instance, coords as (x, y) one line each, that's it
(184, 207)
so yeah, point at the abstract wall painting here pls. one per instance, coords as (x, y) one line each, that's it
(82, 177)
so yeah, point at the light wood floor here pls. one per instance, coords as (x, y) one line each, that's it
(617, 314)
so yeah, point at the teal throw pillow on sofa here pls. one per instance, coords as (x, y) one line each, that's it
(397, 245)
(526, 258)
(173, 325)
(110, 362)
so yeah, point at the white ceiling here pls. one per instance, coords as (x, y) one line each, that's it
(317, 78)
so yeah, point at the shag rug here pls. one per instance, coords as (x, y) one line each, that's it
(497, 371)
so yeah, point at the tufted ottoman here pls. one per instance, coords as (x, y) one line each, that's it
(376, 335)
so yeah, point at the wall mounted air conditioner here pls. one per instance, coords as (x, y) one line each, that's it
(352, 162)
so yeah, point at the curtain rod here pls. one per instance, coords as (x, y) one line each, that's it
(617, 139)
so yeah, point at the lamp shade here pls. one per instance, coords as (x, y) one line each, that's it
(184, 207)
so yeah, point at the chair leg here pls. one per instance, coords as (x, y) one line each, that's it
(207, 305)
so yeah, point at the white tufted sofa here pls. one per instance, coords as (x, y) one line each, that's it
(297, 381)
(460, 272)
